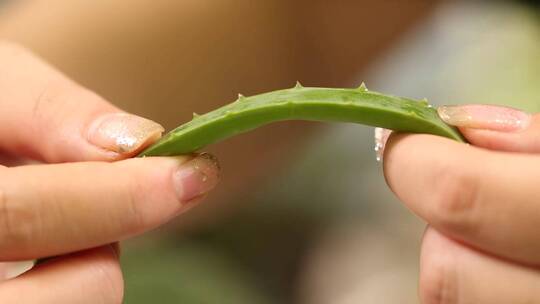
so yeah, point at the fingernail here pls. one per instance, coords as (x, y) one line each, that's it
(381, 137)
(10, 270)
(123, 133)
(196, 177)
(489, 117)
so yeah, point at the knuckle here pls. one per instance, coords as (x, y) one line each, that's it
(136, 215)
(438, 279)
(16, 223)
(56, 103)
(47, 107)
(63, 112)
(455, 197)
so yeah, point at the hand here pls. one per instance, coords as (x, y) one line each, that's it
(75, 208)
(481, 201)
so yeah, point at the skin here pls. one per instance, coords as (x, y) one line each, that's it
(317, 104)
(481, 204)
(72, 202)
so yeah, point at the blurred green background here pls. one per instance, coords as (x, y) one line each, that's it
(317, 224)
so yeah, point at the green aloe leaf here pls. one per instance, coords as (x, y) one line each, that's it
(303, 103)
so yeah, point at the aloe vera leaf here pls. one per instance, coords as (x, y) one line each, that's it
(303, 103)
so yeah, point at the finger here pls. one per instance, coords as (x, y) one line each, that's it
(10, 270)
(48, 210)
(484, 198)
(92, 276)
(452, 273)
(46, 116)
(494, 127)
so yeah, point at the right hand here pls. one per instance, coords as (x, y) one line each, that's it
(481, 202)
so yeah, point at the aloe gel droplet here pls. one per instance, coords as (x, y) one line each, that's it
(363, 87)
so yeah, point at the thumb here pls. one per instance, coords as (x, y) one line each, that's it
(495, 127)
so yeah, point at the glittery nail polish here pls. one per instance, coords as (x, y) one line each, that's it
(123, 133)
(196, 177)
(489, 117)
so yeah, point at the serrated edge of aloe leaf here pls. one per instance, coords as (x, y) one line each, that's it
(304, 103)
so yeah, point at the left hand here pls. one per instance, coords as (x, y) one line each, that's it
(481, 202)
(85, 196)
